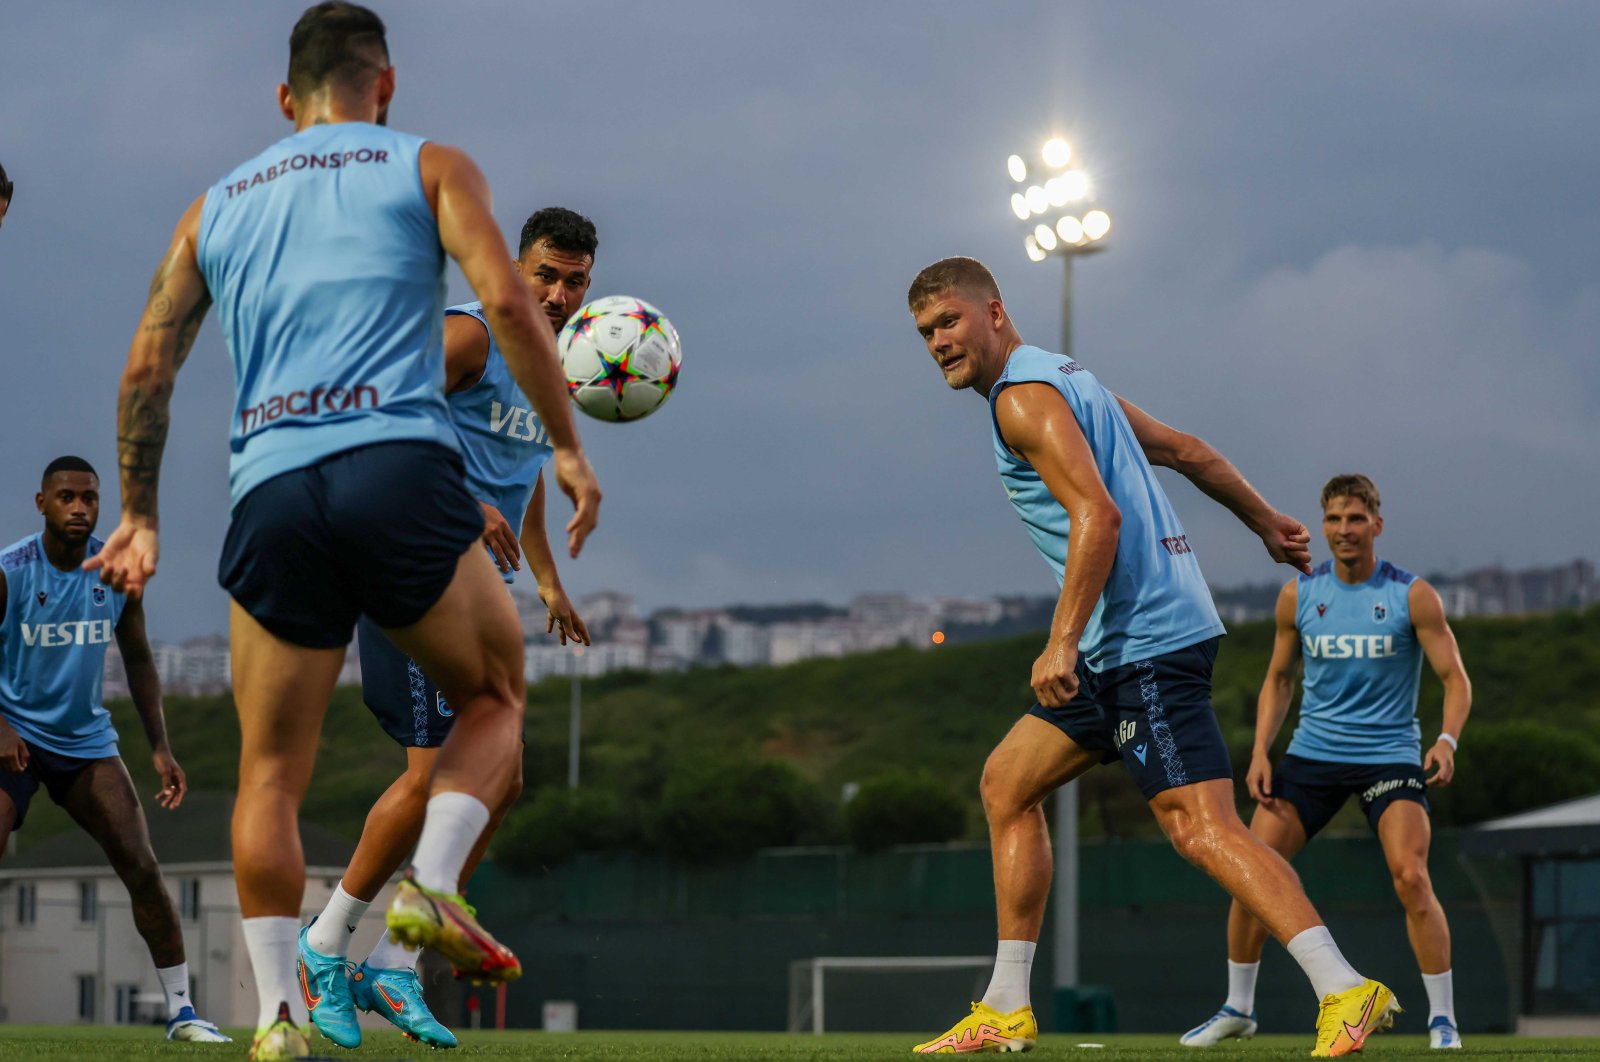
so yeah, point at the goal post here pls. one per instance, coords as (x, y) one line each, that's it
(808, 979)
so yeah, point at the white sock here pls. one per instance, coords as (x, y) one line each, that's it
(330, 933)
(1008, 988)
(274, 946)
(454, 823)
(1242, 986)
(1441, 995)
(1323, 963)
(391, 956)
(175, 986)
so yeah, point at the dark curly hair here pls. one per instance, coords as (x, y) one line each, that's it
(5, 185)
(563, 229)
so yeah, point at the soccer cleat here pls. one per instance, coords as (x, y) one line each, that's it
(1443, 1034)
(1225, 1024)
(988, 1031)
(281, 1041)
(191, 1027)
(325, 980)
(420, 917)
(397, 995)
(1347, 1018)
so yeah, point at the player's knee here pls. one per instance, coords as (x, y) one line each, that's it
(998, 791)
(1197, 841)
(1412, 885)
(138, 870)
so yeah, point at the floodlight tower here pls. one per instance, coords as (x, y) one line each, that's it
(1054, 199)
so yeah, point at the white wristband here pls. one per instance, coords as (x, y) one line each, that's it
(1448, 740)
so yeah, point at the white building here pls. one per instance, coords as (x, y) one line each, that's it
(739, 643)
(69, 953)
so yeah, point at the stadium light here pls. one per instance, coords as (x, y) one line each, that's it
(1079, 229)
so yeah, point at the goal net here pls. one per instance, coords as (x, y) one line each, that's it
(853, 993)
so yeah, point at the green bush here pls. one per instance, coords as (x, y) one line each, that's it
(903, 808)
(723, 809)
(558, 823)
(1504, 768)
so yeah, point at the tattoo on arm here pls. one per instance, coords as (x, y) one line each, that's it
(142, 416)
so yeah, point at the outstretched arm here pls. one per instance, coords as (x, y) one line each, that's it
(1037, 424)
(1438, 643)
(144, 685)
(176, 306)
(1277, 690)
(536, 546)
(467, 230)
(1286, 538)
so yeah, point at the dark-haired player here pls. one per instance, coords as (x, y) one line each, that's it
(6, 188)
(504, 447)
(325, 254)
(1126, 672)
(1361, 627)
(56, 622)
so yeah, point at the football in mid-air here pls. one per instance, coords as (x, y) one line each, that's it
(621, 356)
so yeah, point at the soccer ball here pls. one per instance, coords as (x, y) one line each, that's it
(621, 356)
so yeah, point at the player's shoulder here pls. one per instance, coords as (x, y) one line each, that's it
(1393, 573)
(20, 554)
(1321, 571)
(468, 309)
(1030, 363)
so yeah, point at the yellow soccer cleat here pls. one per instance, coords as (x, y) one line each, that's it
(988, 1031)
(1348, 1018)
(280, 1041)
(425, 918)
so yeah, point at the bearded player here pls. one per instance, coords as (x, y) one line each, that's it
(504, 447)
(325, 255)
(1126, 672)
(56, 623)
(1362, 628)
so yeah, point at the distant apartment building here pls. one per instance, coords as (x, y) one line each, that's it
(69, 952)
(1499, 592)
(774, 635)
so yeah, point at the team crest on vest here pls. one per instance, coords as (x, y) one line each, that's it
(1379, 613)
(1321, 609)
(99, 595)
(42, 596)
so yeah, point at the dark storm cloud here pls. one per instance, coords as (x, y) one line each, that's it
(1345, 237)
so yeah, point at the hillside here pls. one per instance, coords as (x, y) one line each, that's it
(937, 712)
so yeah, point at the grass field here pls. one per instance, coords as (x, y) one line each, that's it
(52, 1043)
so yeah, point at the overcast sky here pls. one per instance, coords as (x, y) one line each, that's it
(1346, 237)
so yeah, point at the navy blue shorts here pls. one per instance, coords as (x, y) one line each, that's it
(407, 704)
(373, 531)
(1317, 789)
(53, 771)
(1154, 714)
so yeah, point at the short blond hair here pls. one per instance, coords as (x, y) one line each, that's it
(952, 274)
(1351, 485)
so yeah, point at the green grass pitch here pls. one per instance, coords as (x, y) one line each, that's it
(53, 1043)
